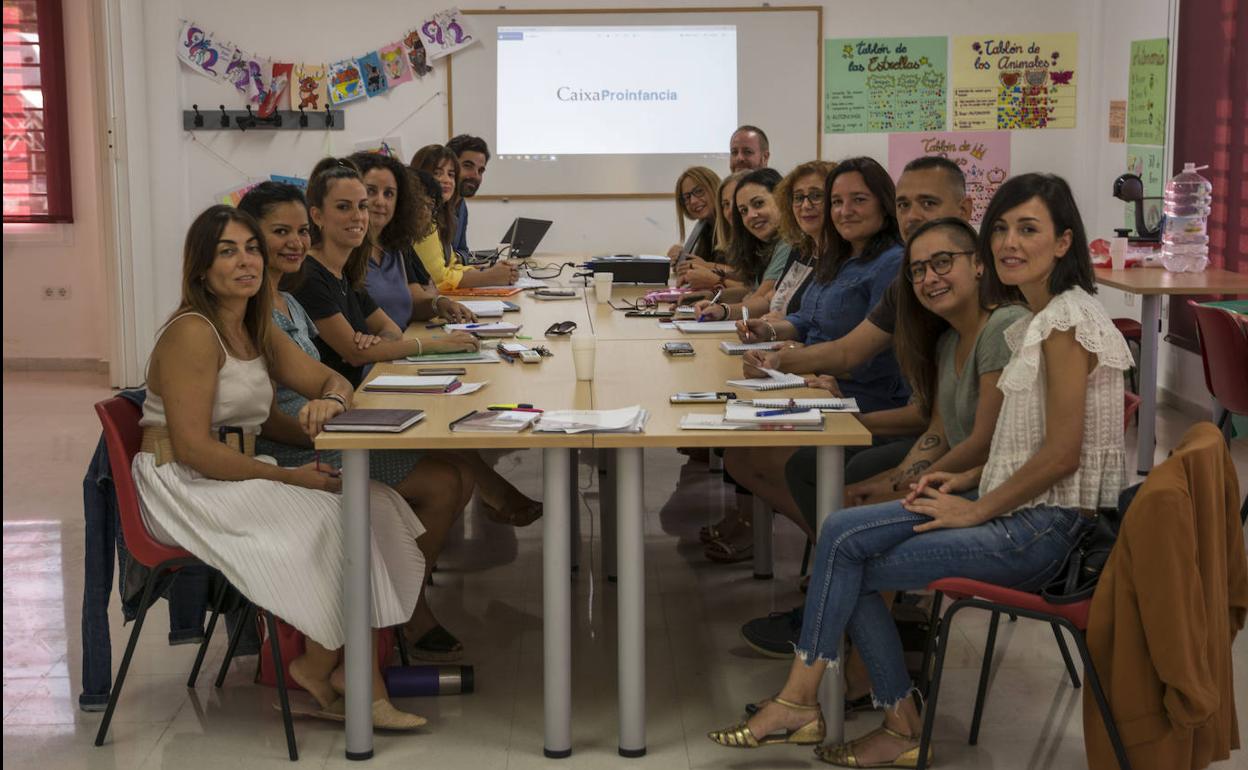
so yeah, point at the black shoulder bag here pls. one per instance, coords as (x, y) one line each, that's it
(1077, 578)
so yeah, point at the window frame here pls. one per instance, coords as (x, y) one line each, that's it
(55, 118)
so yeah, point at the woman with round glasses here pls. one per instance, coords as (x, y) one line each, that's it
(695, 199)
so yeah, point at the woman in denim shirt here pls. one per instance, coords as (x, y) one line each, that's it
(861, 257)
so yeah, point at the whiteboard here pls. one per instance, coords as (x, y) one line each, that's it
(774, 45)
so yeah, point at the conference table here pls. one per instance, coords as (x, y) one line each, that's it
(630, 369)
(1152, 283)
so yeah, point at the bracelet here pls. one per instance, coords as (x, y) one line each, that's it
(420, 347)
(727, 312)
(335, 397)
(435, 300)
(772, 329)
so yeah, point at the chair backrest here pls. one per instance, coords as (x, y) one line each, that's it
(119, 417)
(1224, 350)
(1131, 404)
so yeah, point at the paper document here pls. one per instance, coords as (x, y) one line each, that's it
(630, 419)
(706, 327)
(485, 308)
(739, 348)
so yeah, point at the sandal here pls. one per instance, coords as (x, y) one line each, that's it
(521, 515)
(852, 705)
(387, 717)
(724, 552)
(740, 736)
(842, 754)
(437, 645)
(711, 532)
(334, 712)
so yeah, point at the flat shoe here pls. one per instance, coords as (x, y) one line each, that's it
(842, 754)
(387, 717)
(437, 645)
(740, 736)
(334, 712)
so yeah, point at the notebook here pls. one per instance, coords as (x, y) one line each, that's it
(485, 308)
(508, 421)
(739, 348)
(741, 412)
(823, 404)
(376, 420)
(474, 357)
(773, 381)
(400, 383)
(484, 291)
(630, 419)
(496, 329)
(706, 327)
(703, 421)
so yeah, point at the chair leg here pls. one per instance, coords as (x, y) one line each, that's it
(145, 602)
(212, 624)
(1070, 664)
(990, 647)
(933, 625)
(235, 638)
(280, 669)
(398, 638)
(1094, 681)
(806, 558)
(929, 711)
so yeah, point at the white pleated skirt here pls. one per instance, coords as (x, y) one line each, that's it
(281, 545)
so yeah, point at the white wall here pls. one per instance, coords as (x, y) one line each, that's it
(182, 176)
(69, 332)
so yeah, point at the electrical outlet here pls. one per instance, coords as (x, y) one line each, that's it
(56, 292)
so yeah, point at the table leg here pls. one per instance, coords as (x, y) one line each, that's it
(1150, 323)
(357, 603)
(829, 491)
(607, 505)
(630, 523)
(556, 602)
(762, 539)
(574, 518)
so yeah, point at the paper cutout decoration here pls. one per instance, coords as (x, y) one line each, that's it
(417, 56)
(1014, 81)
(390, 146)
(394, 64)
(983, 156)
(374, 77)
(345, 82)
(200, 52)
(445, 32)
(310, 90)
(280, 74)
(297, 181)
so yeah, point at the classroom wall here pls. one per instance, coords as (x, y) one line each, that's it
(183, 173)
(71, 333)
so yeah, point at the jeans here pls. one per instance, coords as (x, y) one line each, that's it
(873, 548)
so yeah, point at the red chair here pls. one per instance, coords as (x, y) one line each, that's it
(123, 436)
(1224, 351)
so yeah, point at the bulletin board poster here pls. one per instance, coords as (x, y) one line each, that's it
(1146, 162)
(1146, 91)
(1011, 82)
(885, 84)
(983, 156)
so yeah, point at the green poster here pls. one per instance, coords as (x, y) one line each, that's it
(1146, 91)
(1146, 162)
(884, 84)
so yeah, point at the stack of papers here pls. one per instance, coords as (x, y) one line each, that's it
(630, 419)
(739, 348)
(475, 357)
(706, 327)
(741, 412)
(504, 421)
(773, 381)
(399, 383)
(496, 329)
(485, 308)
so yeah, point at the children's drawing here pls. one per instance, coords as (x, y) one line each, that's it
(375, 83)
(417, 56)
(345, 82)
(394, 64)
(446, 32)
(280, 74)
(198, 50)
(310, 90)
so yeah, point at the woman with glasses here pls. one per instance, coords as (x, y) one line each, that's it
(695, 193)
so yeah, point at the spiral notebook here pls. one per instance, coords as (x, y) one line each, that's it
(822, 404)
(773, 381)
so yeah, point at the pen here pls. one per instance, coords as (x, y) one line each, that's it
(712, 302)
(745, 313)
(778, 412)
(461, 419)
(435, 326)
(507, 407)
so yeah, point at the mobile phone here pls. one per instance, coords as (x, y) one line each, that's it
(438, 370)
(513, 347)
(510, 307)
(703, 398)
(678, 348)
(649, 314)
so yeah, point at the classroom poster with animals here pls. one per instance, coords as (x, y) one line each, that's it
(1146, 91)
(884, 84)
(983, 156)
(1014, 81)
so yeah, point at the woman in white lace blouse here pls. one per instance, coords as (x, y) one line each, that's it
(1056, 458)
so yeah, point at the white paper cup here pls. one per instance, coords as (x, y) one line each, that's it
(583, 347)
(1118, 253)
(602, 287)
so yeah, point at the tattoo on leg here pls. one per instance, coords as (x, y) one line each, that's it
(929, 442)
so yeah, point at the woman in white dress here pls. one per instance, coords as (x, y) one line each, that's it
(275, 533)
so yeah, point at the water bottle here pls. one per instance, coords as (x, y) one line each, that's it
(415, 681)
(1184, 242)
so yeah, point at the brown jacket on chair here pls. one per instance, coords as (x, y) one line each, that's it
(1172, 597)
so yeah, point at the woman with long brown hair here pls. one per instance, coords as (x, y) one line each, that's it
(695, 188)
(274, 532)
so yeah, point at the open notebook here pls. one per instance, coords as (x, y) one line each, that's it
(739, 348)
(773, 381)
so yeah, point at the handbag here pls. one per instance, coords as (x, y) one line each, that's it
(1077, 578)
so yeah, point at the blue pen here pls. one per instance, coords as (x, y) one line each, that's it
(778, 412)
(474, 326)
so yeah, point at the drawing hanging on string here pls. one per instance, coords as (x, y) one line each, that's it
(198, 50)
(247, 74)
(345, 82)
(280, 74)
(371, 70)
(310, 90)
(445, 32)
(394, 64)
(417, 56)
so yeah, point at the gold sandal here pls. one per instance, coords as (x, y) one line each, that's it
(842, 754)
(741, 737)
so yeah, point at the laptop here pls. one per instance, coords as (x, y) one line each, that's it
(523, 236)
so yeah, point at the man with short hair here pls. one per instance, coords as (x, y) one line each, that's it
(748, 149)
(473, 154)
(929, 188)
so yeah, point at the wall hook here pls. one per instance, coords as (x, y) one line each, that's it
(225, 118)
(199, 119)
(329, 117)
(303, 118)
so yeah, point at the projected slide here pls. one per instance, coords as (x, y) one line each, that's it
(616, 90)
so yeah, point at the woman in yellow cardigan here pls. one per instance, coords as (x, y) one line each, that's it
(440, 166)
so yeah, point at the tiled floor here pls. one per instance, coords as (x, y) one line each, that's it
(488, 592)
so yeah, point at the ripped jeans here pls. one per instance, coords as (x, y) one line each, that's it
(873, 548)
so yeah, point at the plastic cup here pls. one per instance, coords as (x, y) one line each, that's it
(583, 347)
(1118, 253)
(602, 287)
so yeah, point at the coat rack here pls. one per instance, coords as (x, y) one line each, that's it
(281, 120)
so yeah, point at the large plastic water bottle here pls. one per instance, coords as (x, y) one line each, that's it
(1184, 241)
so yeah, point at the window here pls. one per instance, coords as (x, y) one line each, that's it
(36, 127)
